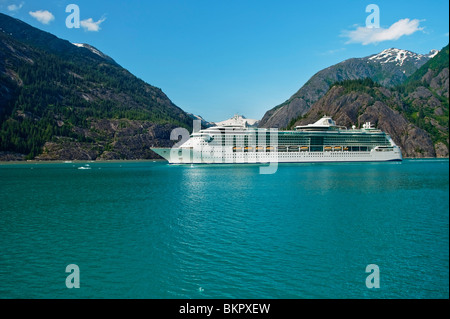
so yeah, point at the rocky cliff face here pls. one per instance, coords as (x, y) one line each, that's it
(426, 100)
(111, 140)
(389, 68)
(415, 113)
(356, 108)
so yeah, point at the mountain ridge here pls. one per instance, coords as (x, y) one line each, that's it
(95, 51)
(388, 74)
(59, 101)
(415, 113)
(65, 101)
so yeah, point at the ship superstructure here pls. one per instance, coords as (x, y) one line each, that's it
(323, 141)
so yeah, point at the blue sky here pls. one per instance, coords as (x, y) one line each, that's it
(218, 58)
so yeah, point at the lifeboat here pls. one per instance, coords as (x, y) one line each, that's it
(338, 148)
(328, 148)
(304, 148)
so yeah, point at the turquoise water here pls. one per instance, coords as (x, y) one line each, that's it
(150, 230)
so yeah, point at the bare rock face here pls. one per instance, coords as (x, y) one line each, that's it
(417, 143)
(112, 140)
(355, 108)
(10, 157)
(67, 149)
(414, 113)
(438, 82)
(441, 150)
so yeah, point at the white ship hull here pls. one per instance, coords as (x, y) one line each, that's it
(322, 141)
(190, 156)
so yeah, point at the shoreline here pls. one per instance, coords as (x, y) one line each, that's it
(146, 161)
(79, 161)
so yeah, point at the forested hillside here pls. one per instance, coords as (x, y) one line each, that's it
(54, 95)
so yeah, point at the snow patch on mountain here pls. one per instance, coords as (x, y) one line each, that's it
(433, 53)
(93, 50)
(399, 57)
(90, 48)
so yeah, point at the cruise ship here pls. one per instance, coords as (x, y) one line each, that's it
(235, 141)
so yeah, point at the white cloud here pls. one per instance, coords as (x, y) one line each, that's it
(15, 7)
(366, 35)
(90, 25)
(42, 16)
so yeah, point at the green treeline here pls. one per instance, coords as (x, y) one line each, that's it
(360, 85)
(57, 94)
(419, 114)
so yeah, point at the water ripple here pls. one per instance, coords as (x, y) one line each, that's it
(150, 230)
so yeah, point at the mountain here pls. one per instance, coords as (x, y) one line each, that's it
(204, 123)
(415, 113)
(390, 67)
(425, 98)
(94, 50)
(240, 120)
(67, 101)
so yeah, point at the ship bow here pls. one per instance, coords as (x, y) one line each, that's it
(163, 152)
